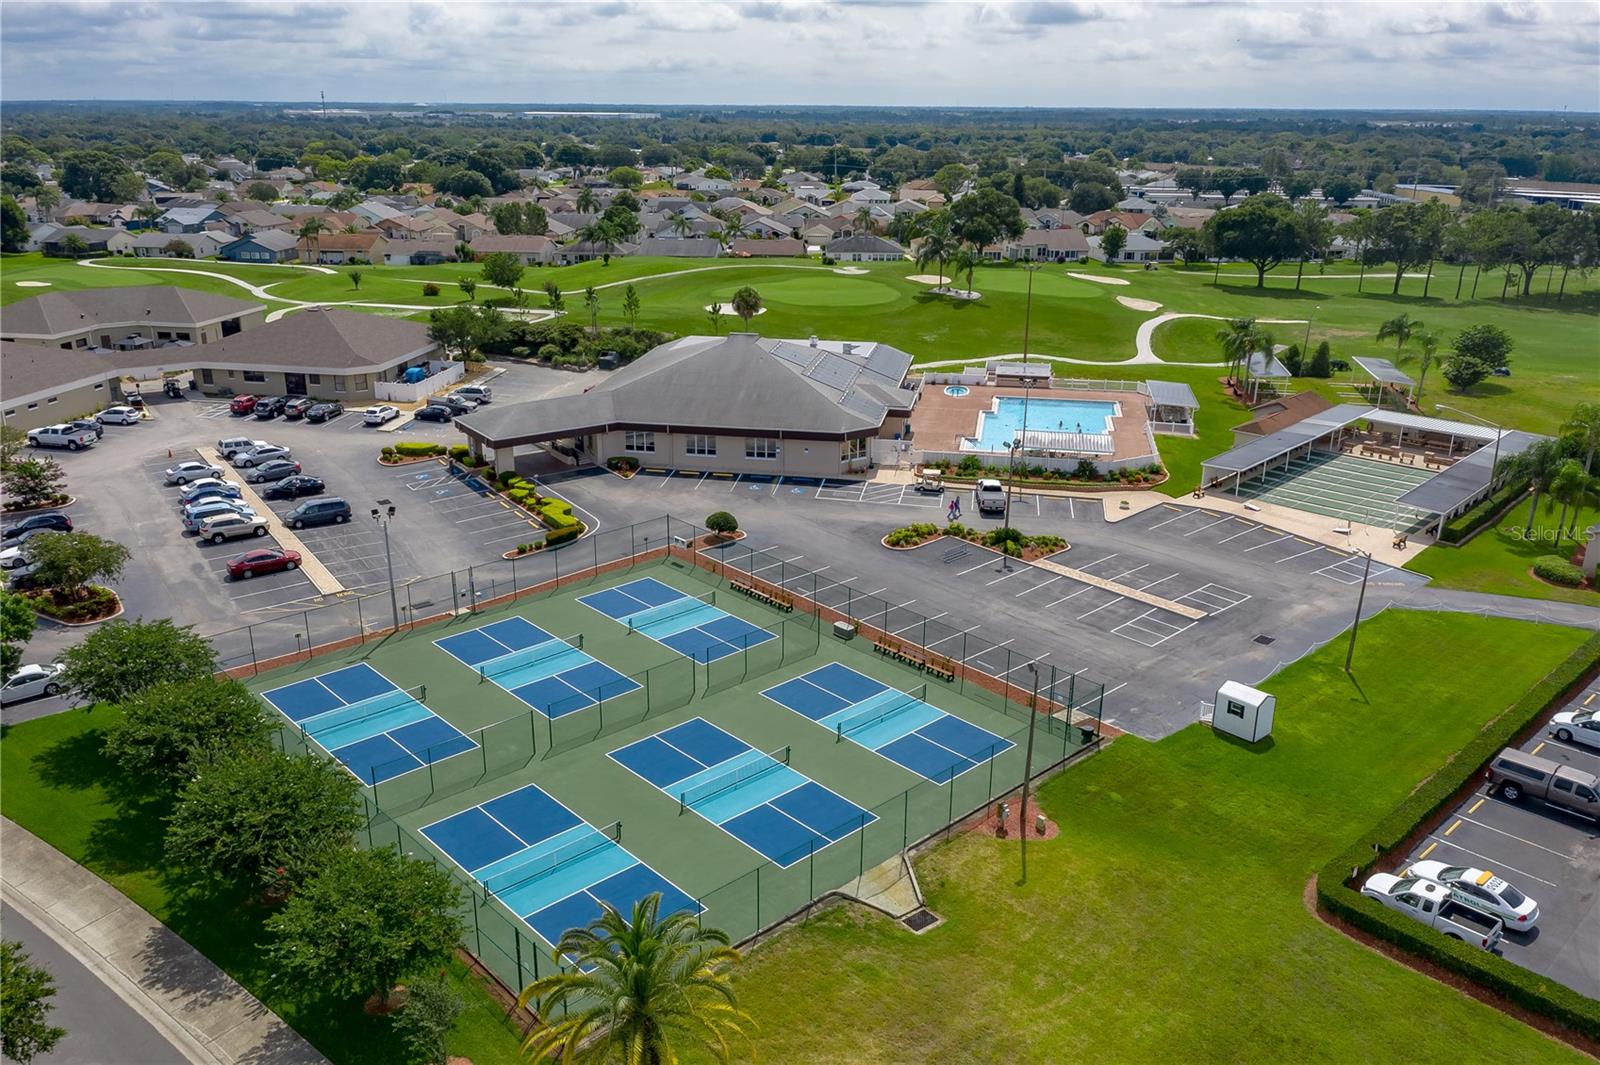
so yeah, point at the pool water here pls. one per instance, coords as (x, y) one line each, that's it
(956, 390)
(997, 428)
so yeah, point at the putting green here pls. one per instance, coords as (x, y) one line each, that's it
(1048, 282)
(827, 290)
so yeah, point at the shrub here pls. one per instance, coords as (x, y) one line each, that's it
(459, 452)
(964, 532)
(1465, 524)
(1557, 570)
(557, 514)
(622, 462)
(518, 495)
(1085, 470)
(388, 452)
(430, 289)
(722, 523)
(549, 353)
(416, 448)
(1004, 536)
(505, 477)
(557, 537)
(911, 535)
(521, 351)
(1522, 986)
(970, 466)
(1154, 469)
(1047, 543)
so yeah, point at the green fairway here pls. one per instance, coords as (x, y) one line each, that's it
(1499, 559)
(1168, 920)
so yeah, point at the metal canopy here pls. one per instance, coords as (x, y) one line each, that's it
(1172, 394)
(1424, 424)
(1383, 370)
(1457, 484)
(1275, 445)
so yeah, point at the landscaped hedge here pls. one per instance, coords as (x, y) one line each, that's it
(1521, 986)
(557, 514)
(1557, 570)
(1470, 521)
(413, 448)
(556, 537)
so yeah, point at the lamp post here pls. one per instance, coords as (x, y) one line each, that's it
(1018, 446)
(1305, 347)
(383, 518)
(1361, 598)
(1027, 314)
(1027, 767)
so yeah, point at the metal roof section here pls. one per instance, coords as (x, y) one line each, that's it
(1171, 394)
(1382, 370)
(1443, 426)
(1457, 484)
(1275, 445)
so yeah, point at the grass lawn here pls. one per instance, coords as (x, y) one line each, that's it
(1498, 559)
(60, 787)
(1168, 922)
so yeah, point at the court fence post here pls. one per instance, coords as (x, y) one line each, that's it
(477, 929)
(305, 617)
(455, 595)
(811, 871)
(861, 853)
(366, 808)
(951, 817)
(963, 688)
(517, 939)
(483, 749)
(905, 817)
(757, 928)
(361, 621)
(472, 592)
(255, 667)
(992, 755)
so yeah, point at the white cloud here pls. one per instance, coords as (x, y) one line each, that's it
(1081, 53)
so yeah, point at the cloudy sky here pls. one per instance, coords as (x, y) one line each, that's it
(1077, 53)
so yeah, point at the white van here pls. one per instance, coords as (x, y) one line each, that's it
(990, 496)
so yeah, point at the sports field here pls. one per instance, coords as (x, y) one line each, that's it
(651, 730)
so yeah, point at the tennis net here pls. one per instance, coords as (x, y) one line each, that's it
(363, 709)
(870, 716)
(541, 652)
(723, 783)
(668, 611)
(501, 884)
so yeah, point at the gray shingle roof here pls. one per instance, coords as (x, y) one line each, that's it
(320, 338)
(740, 383)
(863, 242)
(56, 313)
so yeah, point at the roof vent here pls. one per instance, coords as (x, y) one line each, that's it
(849, 349)
(813, 340)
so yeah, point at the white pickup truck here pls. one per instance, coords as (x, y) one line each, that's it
(1433, 905)
(990, 495)
(62, 436)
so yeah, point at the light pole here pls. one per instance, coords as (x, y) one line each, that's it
(1018, 446)
(1027, 314)
(1499, 431)
(1305, 347)
(1027, 767)
(1361, 598)
(383, 519)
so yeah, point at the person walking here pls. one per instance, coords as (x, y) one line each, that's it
(955, 508)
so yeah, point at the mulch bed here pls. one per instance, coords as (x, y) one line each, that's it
(99, 605)
(406, 460)
(990, 825)
(717, 539)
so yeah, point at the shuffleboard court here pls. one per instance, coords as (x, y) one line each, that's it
(549, 674)
(694, 626)
(901, 726)
(548, 865)
(754, 796)
(376, 729)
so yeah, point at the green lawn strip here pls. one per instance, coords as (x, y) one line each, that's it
(1498, 558)
(59, 786)
(1168, 920)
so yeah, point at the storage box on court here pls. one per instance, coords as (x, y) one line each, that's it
(1243, 711)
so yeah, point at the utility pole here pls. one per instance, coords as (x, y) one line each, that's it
(1027, 315)
(1360, 599)
(1027, 768)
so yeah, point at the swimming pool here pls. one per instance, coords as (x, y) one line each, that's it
(956, 390)
(1000, 425)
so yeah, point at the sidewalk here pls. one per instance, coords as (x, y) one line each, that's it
(202, 1011)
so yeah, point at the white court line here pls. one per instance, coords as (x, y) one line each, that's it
(1236, 536)
(1308, 551)
(1180, 516)
(1496, 862)
(1269, 543)
(1209, 524)
(1036, 587)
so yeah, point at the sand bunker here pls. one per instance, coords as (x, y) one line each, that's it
(1138, 304)
(33, 284)
(1097, 279)
(928, 279)
(728, 311)
(851, 271)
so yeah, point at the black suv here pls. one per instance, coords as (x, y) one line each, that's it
(298, 406)
(324, 412)
(294, 487)
(52, 520)
(270, 407)
(331, 511)
(434, 412)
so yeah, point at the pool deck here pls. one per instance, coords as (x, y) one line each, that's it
(940, 421)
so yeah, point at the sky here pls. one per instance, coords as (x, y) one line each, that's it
(1511, 55)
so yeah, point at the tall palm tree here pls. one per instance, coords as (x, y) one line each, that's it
(309, 231)
(965, 261)
(1573, 489)
(939, 242)
(604, 234)
(1540, 464)
(1426, 355)
(1239, 339)
(733, 226)
(865, 222)
(586, 203)
(591, 303)
(644, 989)
(747, 304)
(1400, 329)
(1584, 423)
(680, 224)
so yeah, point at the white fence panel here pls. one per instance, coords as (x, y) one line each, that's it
(402, 392)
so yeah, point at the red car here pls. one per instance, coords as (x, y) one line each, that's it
(262, 560)
(242, 404)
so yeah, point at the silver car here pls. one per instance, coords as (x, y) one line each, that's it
(184, 472)
(255, 456)
(195, 514)
(220, 527)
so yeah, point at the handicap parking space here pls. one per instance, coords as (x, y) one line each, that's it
(1549, 854)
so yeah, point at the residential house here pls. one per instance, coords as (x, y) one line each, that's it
(262, 246)
(1137, 249)
(1049, 246)
(817, 234)
(189, 219)
(375, 211)
(681, 248)
(900, 208)
(768, 229)
(586, 251)
(335, 249)
(153, 244)
(1136, 205)
(697, 181)
(531, 250)
(772, 248)
(428, 251)
(864, 248)
(257, 220)
(95, 241)
(795, 178)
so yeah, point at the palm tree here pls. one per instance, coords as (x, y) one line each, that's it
(1573, 489)
(591, 303)
(733, 226)
(1239, 339)
(1400, 329)
(630, 306)
(309, 230)
(965, 261)
(1540, 464)
(643, 990)
(1584, 423)
(938, 243)
(747, 304)
(1426, 356)
(603, 233)
(865, 222)
(586, 203)
(680, 224)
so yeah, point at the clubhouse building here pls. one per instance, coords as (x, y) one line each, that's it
(742, 404)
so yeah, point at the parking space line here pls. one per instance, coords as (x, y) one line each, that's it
(1519, 839)
(1269, 543)
(1565, 747)
(1101, 607)
(1492, 861)
(1152, 584)
(982, 565)
(1309, 551)
(1005, 576)
(1208, 525)
(1252, 528)
(1063, 599)
(1036, 587)
(1181, 514)
(1474, 808)
(953, 635)
(1096, 562)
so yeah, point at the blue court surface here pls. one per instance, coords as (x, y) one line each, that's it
(547, 673)
(901, 727)
(368, 723)
(688, 625)
(776, 811)
(548, 865)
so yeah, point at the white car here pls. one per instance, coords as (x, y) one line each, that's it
(380, 414)
(1577, 726)
(220, 527)
(28, 682)
(15, 557)
(118, 416)
(1483, 889)
(184, 472)
(255, 456)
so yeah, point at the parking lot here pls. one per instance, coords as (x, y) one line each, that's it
(1549, 854)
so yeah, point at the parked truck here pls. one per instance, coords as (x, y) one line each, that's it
(990, 495)
(66, 436)
(1432, 904)
(1515, 773)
